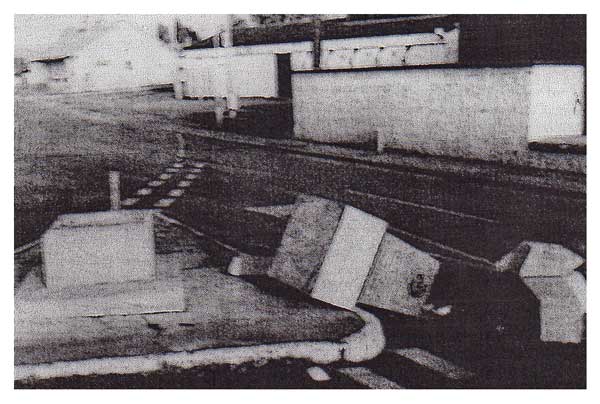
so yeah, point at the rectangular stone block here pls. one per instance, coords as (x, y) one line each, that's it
(327, 250)
(100, 247)
(400, 279)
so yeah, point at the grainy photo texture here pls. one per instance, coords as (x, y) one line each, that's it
(300, 201)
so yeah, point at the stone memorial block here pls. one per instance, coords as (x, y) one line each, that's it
(100, 247)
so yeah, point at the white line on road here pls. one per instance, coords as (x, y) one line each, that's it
(176, 192)
(172, 170)
(368, 378)
(196, 170)
(155, 183)
(191, 177)
(435, 363)
(198, 165)
(164, 203)
(144, 191)
(165, 176)
(178, 165)
(129, 201)
(184, 184)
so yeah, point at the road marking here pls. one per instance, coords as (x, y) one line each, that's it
(435, 363)
(198, 165)
(144, 191)
(178, 165)
(129, 201)
(368, 378)
(164, 203)
(184, 184)
(196, 170)
(165, 176)
(191, 177)
(172, 170)
(176, 192)
(155, 183)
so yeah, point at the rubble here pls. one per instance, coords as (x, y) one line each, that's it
(548, 270)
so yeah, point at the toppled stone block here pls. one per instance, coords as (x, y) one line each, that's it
(548, 271)
(100, 247)
(400, 279)
(327, 250)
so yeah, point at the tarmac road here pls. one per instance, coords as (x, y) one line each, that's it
(64, 149)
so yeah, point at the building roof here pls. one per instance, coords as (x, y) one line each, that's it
(74, 39)
(335, 29)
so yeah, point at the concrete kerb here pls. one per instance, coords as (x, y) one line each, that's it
(27, 246)
(362, 345)
(470, 168)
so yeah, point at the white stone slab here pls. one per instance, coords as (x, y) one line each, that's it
(136, 297)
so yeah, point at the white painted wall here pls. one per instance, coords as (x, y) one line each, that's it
(258, 63)
(481, 113)
(251, 75)
(556, 101)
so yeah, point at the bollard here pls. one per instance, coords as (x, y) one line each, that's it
(380, 139)
(233, 104)
(219, 112)
(115, 195)
(181, 145)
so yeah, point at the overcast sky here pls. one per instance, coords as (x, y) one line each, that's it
(37, 31)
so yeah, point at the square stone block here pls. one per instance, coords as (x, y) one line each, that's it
(100, 247)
